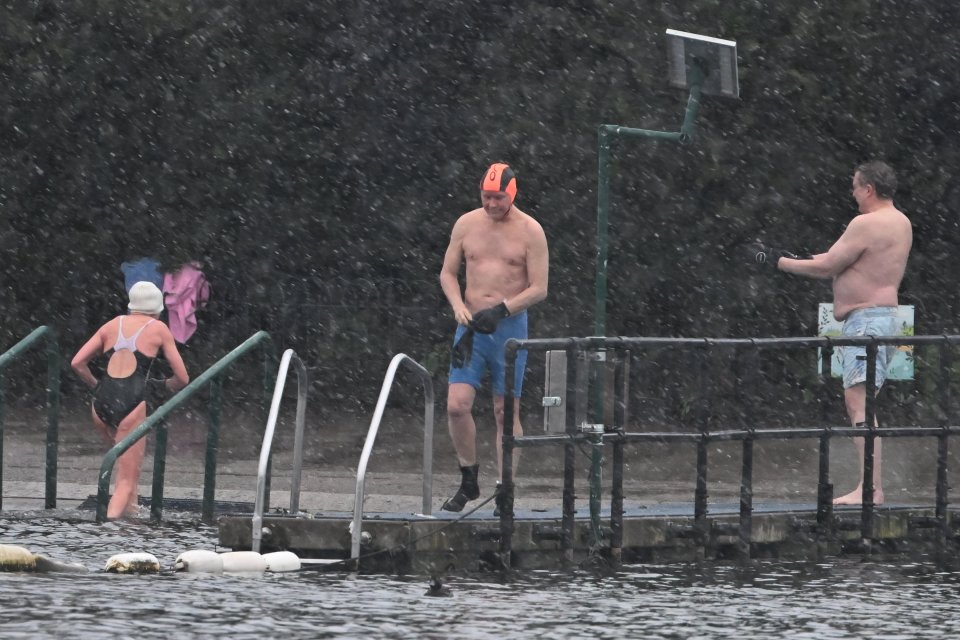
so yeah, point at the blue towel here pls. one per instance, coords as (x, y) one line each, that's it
(142, 270)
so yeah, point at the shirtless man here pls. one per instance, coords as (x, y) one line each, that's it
(866, 264)
(507, 267)
(120, 396)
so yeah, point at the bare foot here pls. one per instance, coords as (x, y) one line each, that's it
(856, 497)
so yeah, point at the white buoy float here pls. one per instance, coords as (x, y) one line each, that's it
(243, 562)
(282, 561)
(14, 558)
(133, 563)
(199, 561)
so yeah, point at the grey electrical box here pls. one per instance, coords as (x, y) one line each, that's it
(555, 393)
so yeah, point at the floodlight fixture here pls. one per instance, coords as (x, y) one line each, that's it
(710, 62)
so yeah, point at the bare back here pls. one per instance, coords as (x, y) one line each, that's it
(122, 362)
(877, 245)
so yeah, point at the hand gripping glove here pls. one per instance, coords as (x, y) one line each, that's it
(759, 253)
(485, 320)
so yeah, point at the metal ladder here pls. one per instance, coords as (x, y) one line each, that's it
(263, 472)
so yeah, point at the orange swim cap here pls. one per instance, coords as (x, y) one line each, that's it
(500, 177)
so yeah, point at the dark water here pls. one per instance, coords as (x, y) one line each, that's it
(846, 598)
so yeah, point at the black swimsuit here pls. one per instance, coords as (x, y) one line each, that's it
(116, 398)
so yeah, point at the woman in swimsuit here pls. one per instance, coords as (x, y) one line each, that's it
(119, 400)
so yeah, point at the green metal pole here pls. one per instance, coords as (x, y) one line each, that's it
(603, 205)
(159, 469)
(213, 445)
(693, 104)
(53, 416)
(596, 486)
(1, 437)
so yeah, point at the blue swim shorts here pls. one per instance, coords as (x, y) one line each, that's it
(489, 352)
(871, 321)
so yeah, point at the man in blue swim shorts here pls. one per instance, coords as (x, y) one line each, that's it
(867, 265)
(507, 267)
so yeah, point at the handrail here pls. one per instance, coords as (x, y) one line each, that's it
(53, 405)
(263, 468)
(358, 497)
(211, 376)
(701, 528)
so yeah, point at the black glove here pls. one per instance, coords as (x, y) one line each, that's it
(485, 320)
(759, 253)
(462, 350)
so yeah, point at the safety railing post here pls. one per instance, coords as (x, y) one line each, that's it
(159, 471)
(700, 522)
(52, 401)
(569, 458)
(504, 499)
(824, 486)
(213, 447)
(53, 416)
(621, 415)
(2, 402)
(746, 499)
(942, 490)
(869, 443)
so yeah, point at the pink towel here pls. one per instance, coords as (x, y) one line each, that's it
(185, 292)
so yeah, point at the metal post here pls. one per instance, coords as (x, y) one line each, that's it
(700, 523)
(2, 403)
(53, 415)
(824, 487)
(159, 469)
(596, 465)
(505, 499)
(616, 490)
(700, 494)
(693, 104)
(746, 498)
(866, 515)
(569, 458)
(942, 514)
(603, 205)
(213, 445)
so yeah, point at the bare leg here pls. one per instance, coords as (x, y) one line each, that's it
(125, 497)
(463, 433)
(498, 415)
(855, 399)
(460, 423)
(105, 431)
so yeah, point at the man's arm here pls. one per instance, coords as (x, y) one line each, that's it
(840, 256)
(538, 272)
(449, 273)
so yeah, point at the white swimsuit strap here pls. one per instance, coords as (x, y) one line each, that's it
(129, 343)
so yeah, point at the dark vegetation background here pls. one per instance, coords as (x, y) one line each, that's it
(314, 156)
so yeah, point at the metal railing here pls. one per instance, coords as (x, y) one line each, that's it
(826, 524)
(263, 468)
(53, 405)
(424, 375)
(212, 377)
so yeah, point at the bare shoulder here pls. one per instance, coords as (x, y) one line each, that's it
(161, 327)
(110, 327)
(530, 225)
